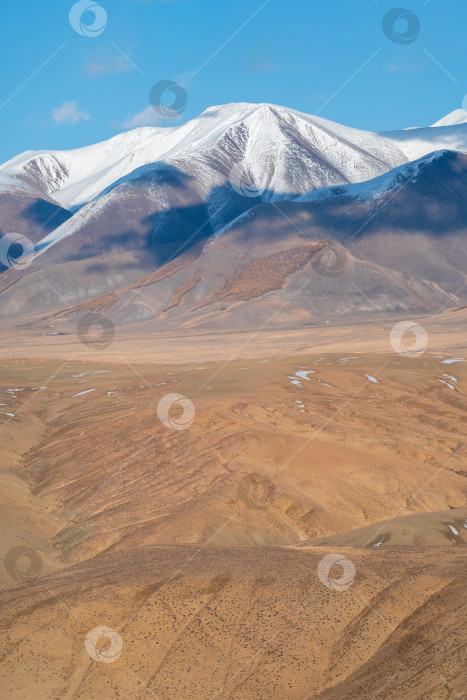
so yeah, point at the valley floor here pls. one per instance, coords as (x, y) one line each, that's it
(295, 529)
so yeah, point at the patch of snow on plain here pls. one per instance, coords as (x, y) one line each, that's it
(83, 392)
(371, 379)
(447, 383)
(303, 374)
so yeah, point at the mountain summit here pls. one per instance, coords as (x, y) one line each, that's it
(147, 207)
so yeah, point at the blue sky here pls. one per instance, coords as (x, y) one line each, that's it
(298, 53)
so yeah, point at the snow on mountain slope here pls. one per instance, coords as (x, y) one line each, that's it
(379, 185)
(170, 186)
(27, 210)
(272, 142)
(173, 173)
(365, 191)
(458, 116)
(73, 177)
(449, 133)
(255, 134)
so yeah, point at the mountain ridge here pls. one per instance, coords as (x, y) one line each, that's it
(297, 180)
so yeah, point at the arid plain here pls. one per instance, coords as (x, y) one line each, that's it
(304, 536)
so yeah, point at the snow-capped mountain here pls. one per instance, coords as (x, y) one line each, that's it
(283, 153)
(165, 185)
(284, 150)
(255, 135)
(147, 199)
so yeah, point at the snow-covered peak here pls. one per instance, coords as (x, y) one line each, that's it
(284, 151)
(293, 151)
(458, 116)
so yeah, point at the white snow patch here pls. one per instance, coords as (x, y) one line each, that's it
(447, 383)
(371, 379)
(83, 392)
(303, 374)
(325, 384)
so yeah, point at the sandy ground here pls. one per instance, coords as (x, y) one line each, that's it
(295, 528)
(42, 339)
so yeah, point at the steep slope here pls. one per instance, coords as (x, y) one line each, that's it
(393, 245)
(163, 185)
(400, 249)
(252, 134)
(257, 132)
(182, 190)
(404, 228)
(282, 153)
(413, 219)
(27, 210)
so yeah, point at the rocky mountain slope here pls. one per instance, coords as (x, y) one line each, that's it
(191, 212)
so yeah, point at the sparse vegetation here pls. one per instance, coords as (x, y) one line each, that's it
(268, 274)
(179, 293)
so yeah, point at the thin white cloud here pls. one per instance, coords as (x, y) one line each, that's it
(147, 117)
(260, 66)
(404, 68)
(114, 65)
(69, 113)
